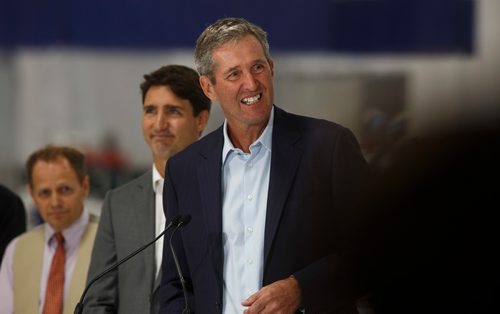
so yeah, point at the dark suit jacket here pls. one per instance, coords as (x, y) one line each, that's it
(127, 222)
(12, 217)
(316, 169)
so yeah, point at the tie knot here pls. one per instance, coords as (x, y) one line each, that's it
(59, 238)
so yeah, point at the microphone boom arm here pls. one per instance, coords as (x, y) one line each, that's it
(79, 306)
(184, 220)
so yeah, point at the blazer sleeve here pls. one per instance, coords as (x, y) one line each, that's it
(102, 297)
(12, 218)
(334, 282)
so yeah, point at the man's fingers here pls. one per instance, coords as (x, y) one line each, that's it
(282, 296)
(250, 300)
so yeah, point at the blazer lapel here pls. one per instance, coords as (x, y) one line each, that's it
(285, 160)
(145, 219)
(208, 168)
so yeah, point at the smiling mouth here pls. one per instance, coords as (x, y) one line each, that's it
(251, 100)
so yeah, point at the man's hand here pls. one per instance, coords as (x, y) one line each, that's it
(282, 296)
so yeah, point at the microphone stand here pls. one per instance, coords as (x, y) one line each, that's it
(184, 221)
(79, 305)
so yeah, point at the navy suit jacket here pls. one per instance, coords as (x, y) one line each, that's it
(316, 170)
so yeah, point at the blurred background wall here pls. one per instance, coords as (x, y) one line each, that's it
(70, 70)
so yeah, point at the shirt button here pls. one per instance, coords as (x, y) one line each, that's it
(250, 165)
(250, 261)
(250, 229)
(250, 197)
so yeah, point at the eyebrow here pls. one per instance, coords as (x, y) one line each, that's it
(231, 69)
(165, 105)
(172, 106)
(259, 60)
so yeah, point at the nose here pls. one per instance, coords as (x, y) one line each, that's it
(54, 199)
(250, 81)
(161, 121)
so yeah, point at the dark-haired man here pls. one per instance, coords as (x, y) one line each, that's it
(175, 112)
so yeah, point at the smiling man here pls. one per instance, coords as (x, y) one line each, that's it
(174, 113)
(268, 193)
(44, 269)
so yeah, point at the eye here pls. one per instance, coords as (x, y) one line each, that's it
(257, 68)
(149, 110)
(233, 75)
(173, 111)
(65, 190)
(44, 193)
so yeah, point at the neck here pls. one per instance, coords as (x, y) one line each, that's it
(160, 166)
(242, 138)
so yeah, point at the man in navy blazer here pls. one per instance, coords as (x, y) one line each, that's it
(268, 193)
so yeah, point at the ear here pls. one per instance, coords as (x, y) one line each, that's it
(202, 121)
(208, 88)
(86, 185)
(31, 191)
(271, 66)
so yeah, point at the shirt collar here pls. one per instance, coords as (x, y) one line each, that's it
(157, 181)
(265, 138)
(72, 233)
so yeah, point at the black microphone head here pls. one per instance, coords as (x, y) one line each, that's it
(184, 220)
(176, 220)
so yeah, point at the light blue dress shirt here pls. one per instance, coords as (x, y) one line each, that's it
(244, 202)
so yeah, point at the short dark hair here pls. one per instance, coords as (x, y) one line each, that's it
(183, 81)
(51, 153)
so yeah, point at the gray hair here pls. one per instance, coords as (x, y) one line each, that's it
(219, 33)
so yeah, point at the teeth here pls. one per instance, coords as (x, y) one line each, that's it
(251, 100)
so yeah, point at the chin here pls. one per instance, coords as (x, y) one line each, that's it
(163, 151)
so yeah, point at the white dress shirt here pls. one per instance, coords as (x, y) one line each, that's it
(159, 216)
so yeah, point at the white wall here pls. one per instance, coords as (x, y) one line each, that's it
(75, 97)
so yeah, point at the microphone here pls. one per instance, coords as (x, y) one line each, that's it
(184, 220)
(176, 222)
